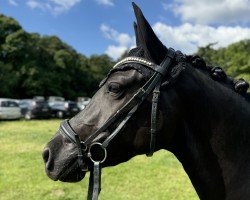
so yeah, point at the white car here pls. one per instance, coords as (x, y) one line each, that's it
(9, 109)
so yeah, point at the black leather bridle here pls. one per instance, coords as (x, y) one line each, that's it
(86, 148)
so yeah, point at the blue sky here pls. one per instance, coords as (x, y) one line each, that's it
(105, 26)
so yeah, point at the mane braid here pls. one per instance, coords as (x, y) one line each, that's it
(218, 74)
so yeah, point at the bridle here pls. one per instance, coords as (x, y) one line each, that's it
(86, 148)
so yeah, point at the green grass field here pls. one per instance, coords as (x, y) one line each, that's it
(22, 173)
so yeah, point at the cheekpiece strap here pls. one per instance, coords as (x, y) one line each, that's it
(164, 67)
(155, 100)
(167, 61)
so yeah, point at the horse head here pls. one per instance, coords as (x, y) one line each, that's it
(121, 84)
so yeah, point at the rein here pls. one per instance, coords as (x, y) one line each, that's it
(87, 148)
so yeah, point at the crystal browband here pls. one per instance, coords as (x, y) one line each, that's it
(133, 59)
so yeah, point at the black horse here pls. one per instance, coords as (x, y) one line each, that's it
(203, 118)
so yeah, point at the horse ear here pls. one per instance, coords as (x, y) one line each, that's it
(145, 36)
(137, 39)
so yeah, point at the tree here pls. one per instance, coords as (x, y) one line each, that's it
(8, 80)
(7, 26)
(34, 65)
(235, 58)
(99, 66)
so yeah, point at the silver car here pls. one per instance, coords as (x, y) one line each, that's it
(9, 109)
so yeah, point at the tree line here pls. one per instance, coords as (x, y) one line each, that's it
(31, 64)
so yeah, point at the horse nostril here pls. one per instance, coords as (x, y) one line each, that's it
(47, 159)
(46, 155)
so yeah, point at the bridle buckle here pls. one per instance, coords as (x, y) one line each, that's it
(81, 163)
(83, 146)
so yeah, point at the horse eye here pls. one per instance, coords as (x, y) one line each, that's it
(114, 88)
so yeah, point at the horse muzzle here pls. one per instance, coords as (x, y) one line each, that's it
(66, 169)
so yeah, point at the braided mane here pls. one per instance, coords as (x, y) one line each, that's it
(218, 74)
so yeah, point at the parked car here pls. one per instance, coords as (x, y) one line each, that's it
(9, 109)
(82, 102)
(39, 98)
(55, 99)
(34, 108)
(62, 109)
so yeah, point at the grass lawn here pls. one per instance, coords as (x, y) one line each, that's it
(22, 173)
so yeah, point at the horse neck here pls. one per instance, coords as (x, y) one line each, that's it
(214, 135)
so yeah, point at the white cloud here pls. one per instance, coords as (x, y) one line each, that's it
(115, 52)
(13, 2)
(188, 37)
(54, 6)
(105, 2)
(121, 38)
(123, 41)
(212, 11)
(34, 4)
(65, 3)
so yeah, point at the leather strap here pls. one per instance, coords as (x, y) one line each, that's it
(119, 127)
(95, 182)
(66, 129)
(155, 100)
(164, 67)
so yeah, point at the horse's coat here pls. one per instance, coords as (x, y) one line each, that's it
(202, 120)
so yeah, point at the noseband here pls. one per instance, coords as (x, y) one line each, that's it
(86, 148)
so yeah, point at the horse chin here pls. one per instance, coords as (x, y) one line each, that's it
(69, 173)
(73, 177)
